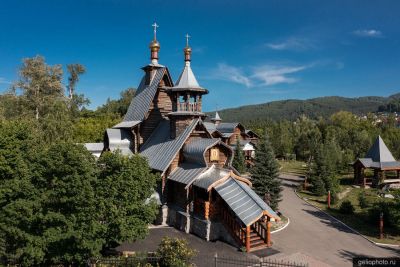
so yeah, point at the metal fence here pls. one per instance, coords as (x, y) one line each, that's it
(125, 262)
(231, 262)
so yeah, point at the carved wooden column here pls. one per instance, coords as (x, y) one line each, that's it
(269, 232)
(248, 238)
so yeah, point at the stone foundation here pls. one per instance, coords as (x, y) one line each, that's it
(206, 229)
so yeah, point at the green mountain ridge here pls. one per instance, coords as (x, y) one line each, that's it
(291, 109)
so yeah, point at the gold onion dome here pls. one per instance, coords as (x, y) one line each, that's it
(154, 45)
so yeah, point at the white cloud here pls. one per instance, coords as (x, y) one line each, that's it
(265, 75)
(368, 33)
(4, 81)
(270, 75)
(234, 74)
(296, 44)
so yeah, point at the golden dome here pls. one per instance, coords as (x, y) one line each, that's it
(154, 45)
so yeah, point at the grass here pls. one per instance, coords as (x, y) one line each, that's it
(358, 220)
(293, 167)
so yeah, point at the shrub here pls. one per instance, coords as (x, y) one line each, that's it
(175, 252)
(318, 186)
(391, 213)
(346, 207)
(362, 200)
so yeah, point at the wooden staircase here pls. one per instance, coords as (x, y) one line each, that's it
(252, 237)
(256, 241)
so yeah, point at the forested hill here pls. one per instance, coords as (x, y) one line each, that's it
(313, 108)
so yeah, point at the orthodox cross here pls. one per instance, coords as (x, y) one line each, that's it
(155, 26)
(187, 39)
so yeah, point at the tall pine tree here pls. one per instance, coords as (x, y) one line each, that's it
(265, 174)
(238, 158)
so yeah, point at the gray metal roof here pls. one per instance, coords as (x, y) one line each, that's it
(187, 80)
(186, 173)
(140, 104)
(160, 149)
(227, 127)
(93, 147)
(126, 124)
(243, 201)
(209, 177)
(194, 151)
(120, 139)
(379, 152)
(210, 126)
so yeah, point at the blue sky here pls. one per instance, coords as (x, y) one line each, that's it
(244, 52)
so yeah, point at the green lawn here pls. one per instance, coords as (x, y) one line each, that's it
(293, 167)
(358, 220)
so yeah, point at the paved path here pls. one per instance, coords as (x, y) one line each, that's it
(313, 233)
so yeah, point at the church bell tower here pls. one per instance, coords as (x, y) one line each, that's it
(186, 97)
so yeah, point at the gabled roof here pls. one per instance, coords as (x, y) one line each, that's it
(186, 173)
(244, 202)
(379, 152)
(160, 149)
(227, 127)
(211, 176)
(140, 104)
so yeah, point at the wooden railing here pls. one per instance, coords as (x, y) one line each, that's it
(261, 229)
(239, 232)
(191, 107)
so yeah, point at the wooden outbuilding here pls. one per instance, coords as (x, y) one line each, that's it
(380, 160)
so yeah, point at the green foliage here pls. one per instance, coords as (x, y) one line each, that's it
(92, 129)
(390, 210)
(238, 160)
(123, 185)
(265, 173)
(175, 252)
(346, 207)
(120, 106)
(40, 84)
(312, 108)
(318, 186)
(362, 200)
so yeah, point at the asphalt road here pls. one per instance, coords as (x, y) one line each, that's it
(315, 234)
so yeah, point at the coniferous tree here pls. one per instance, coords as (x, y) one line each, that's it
(238, 158)
(265, 174)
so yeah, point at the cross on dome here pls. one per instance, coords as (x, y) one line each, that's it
(155, 26)
(187, 39)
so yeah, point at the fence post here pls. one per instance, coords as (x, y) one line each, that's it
(215, 260)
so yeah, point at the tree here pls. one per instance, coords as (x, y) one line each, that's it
(265, 174)
(175, 252)
(40, 84)
(74, 71)
(119, 106)
(68, 220)
(238, 159)
(124, 185)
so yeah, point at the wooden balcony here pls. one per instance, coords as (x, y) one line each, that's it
(189, 107)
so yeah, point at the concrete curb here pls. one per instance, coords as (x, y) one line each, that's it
(280, 229)
(351, 229)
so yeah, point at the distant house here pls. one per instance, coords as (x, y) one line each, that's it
(230, 132)
(380, 160)
(199, 191)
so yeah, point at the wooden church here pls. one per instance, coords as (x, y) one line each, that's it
(199, 192)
